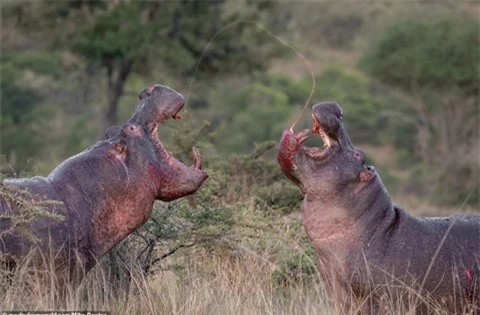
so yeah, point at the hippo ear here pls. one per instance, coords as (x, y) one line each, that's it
(111, 132)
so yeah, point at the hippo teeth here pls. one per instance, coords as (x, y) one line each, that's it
(316, 129)
(197, 159)
(316, 126)
(325, 139)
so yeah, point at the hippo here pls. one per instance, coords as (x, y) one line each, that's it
(103, 193)
(371, 254)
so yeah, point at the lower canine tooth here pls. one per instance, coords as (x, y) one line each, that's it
(197, 159)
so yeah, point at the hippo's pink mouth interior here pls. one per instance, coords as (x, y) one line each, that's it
(197, 158)
(317, 129)
(316, 153)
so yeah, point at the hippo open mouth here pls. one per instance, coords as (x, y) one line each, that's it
(159, 103)
(317, 129)
(302, 164)
(327, 122)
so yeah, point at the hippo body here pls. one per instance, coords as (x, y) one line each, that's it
(372, 254)
(105, 192)
(438, 257)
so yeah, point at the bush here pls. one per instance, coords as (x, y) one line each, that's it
(258, 112)
(421, 53)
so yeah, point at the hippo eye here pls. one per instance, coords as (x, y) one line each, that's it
(132, 130)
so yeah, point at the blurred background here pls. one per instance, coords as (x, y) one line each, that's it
(405, 72)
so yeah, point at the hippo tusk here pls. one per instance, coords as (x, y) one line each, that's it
(197, 159)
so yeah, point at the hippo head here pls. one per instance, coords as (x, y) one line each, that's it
(137, 147)
(131, 163)
(335, 174)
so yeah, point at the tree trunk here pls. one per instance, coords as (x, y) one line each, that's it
(116, 90)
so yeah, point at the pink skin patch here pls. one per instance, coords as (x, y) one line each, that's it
(366, 176)
(288, 147)
(468, 273)
(150, 90)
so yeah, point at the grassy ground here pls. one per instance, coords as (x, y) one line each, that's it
(208, 285)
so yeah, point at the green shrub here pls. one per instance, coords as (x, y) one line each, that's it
(27, 208)
(421, 53)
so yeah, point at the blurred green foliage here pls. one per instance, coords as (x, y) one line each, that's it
(436, 54)
(70, 69)
(20, 115)
(260, 114)
(436, 61)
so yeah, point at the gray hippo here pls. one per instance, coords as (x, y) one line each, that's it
(371, 254)
(105, 192)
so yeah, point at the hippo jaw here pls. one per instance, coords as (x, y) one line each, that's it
(177, 180)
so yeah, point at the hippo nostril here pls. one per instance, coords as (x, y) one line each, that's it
(132, 128)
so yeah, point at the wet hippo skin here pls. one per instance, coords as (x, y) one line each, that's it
(370, 253)
(105, 192)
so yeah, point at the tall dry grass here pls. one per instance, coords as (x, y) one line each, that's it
(209, 283)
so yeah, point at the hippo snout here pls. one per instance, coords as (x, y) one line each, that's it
(158, 103)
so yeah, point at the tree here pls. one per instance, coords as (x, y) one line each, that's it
(436, 63)
(121, 38)
(18, 108)
(136, 37)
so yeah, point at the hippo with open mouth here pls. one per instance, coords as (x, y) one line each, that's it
(368, 250)
(106, 192)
